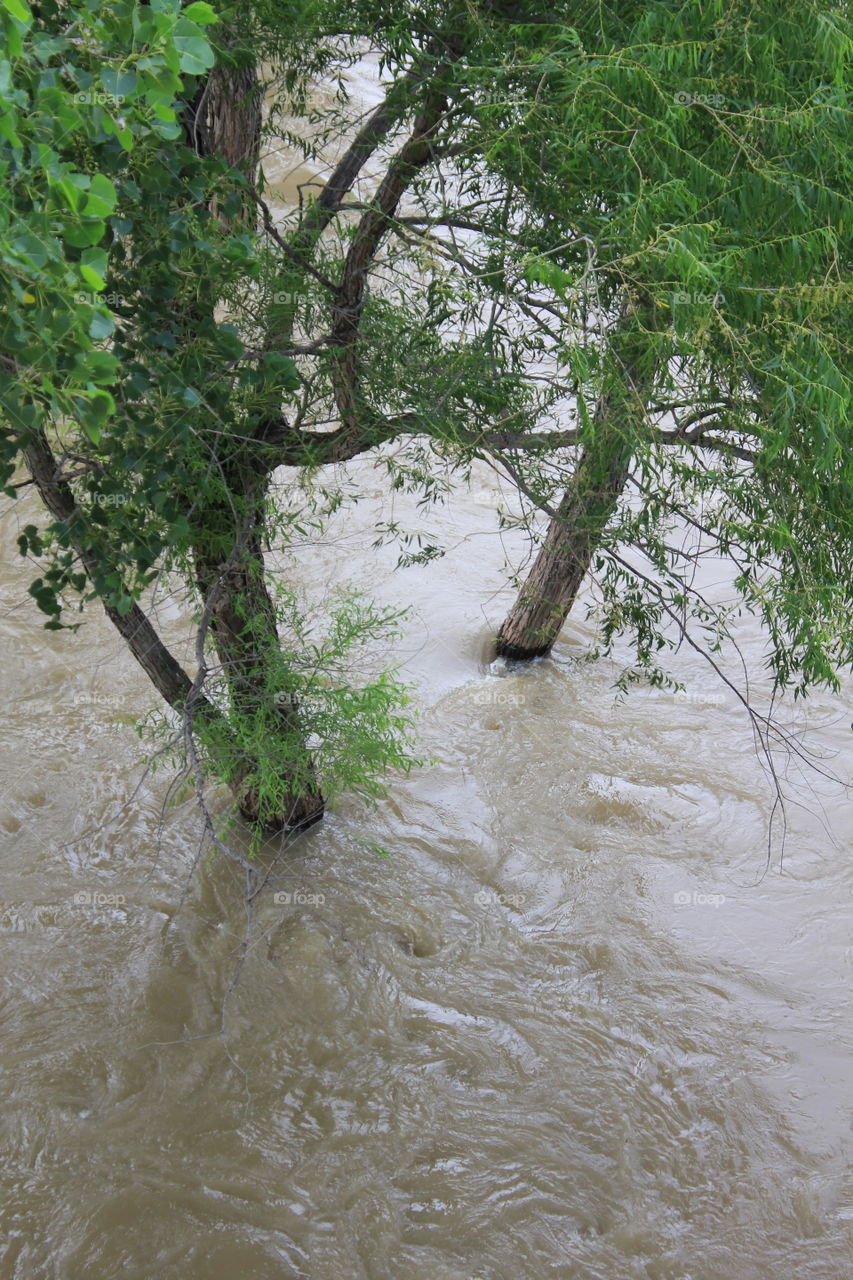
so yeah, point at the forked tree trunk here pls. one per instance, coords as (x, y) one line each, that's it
(536, 619)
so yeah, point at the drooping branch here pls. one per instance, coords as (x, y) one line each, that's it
(291, 447)
(162, 668)
(295, 253)
(530, 442)
(724, 447)
(285, 447)
(692, 431)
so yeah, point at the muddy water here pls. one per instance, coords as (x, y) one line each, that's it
(568, 1027)
(544, 1013)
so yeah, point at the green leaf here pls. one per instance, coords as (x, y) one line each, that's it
(7, 129)
(45, 598)
(196, 55)
(99, 405)
(200, 12)
(18, 10)
(101, 325)
(102, 197)
(92, 277)
(118, 84)
(71, 194)
(124, 135)
(93, 266)
(283, 369)
(82, 234)
(31, 249)
(46, 47)
(168, 130)
(97, 366)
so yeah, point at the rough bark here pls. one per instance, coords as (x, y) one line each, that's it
(224, 119)
(576, 529)
(544, 602)
(244, 628)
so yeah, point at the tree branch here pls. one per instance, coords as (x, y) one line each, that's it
(416, 152)
(377, 126)
(164, 671)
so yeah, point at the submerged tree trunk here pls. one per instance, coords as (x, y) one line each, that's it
(268, 765)
(536, 619)
(272, 775)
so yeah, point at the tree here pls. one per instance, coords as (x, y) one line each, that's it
(602, 251)
(698, 158)
(143, 422)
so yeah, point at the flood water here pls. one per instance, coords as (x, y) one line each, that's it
(546, 1012)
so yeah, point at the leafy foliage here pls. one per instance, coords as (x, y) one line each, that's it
(692, 165)
(641, 209)
(122, 248)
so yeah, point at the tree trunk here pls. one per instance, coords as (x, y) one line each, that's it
(224, 118)
(536, 619)
(268, 732)
(543, 604)
(270, 769)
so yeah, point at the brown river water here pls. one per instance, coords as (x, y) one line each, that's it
(572, 1025)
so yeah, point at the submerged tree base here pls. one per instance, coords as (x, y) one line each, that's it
(520, 653)
(301, 813)
(281, 826)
